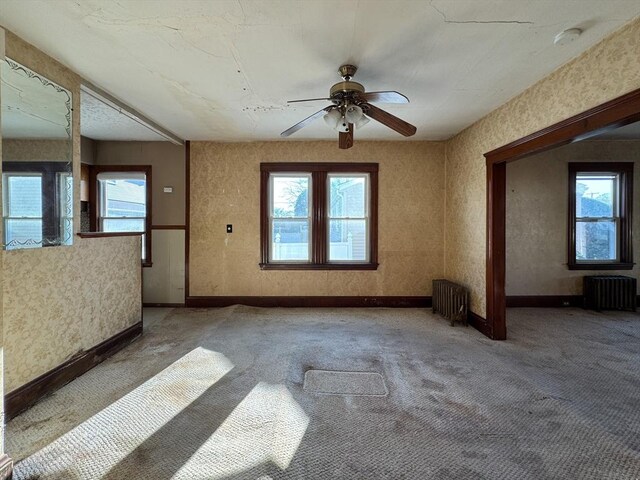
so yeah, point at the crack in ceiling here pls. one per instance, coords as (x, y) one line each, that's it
(477, 22)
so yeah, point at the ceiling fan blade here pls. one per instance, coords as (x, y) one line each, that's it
(304, 122)
(389, 120)
(345, 139)
(384, 97)
(308, 100)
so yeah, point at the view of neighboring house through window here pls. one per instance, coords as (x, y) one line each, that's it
(319, 216)
(122, 203)
(22, 210)
(290, 218)
(600, 215)
(348, 217)
(597, 217)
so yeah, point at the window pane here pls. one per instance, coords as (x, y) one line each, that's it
(290, 240)
(23, 233)
(347, 196)
(596, 241)
(124, 198)
(123, 225)
(290, 196)
(25, 196)
(348, 240)
(595, 195)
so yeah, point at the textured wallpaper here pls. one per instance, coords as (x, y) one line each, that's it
(537, 208)
(225, 188)
(60, 300)
(606, 71)
(31, 150)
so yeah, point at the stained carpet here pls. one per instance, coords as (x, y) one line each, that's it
(219, 394)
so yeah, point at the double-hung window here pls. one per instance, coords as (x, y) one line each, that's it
(22, 210)
(38, 204)
(319, 216)
(123, 202)
(600, 200)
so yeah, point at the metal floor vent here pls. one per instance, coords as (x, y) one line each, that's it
(328, 382)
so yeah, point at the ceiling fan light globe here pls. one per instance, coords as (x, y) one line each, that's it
(353, 114)
(333, 118)
(362, 121)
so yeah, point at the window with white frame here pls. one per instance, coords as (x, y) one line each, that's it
(319, 216)
(122, 204)
(600, 215)
(23, 219)
(348, 217)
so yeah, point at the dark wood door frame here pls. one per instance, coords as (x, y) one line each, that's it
(613, 114)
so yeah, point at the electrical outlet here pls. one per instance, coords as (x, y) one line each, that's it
(565, 303)
(229, 228)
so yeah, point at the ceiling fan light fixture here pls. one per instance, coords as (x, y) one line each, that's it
(362, 121)
(353, 114)
(333, 118)
(343, 125)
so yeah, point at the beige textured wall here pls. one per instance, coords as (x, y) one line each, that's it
(225, 188)
(36, 150)
(606, 71)
(537, 190)
(167, 170)
(59, 301)
(56, 301)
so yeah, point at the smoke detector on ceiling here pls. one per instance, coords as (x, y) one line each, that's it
(567, 36)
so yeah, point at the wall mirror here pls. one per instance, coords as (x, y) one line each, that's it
(37, 156)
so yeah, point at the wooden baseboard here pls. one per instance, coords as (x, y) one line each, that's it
(25, 396)
(317, 301)
(164, 305)
(480, 324)
(6, 467)
(544, 301)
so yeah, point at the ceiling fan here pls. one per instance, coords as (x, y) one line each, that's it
(351, 108)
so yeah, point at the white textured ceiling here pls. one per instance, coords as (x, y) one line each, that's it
(100, 121)
(223, 70)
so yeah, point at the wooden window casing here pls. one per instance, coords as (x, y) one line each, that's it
(319, 238)
(624, 215)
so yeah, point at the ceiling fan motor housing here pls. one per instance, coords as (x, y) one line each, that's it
(346, 88)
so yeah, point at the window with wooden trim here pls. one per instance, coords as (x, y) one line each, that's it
(38, 205)
(122, 202)
(319, 216)
(600, 216)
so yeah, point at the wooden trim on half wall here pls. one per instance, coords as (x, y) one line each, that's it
(613, 114)
(310, 302)
(25, 396)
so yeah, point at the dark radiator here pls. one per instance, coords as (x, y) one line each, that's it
(610, 292)
(450, 300)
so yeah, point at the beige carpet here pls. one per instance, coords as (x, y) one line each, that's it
(213, 394)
